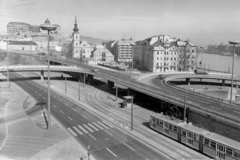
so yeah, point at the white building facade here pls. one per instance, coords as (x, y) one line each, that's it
(161, 53)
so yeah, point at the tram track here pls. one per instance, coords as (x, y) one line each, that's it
(97, 101)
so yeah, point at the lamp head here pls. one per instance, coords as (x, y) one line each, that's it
(234, 42)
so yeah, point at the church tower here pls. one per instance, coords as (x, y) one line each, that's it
(76, 41)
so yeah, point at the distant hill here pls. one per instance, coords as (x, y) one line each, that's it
(93, 40)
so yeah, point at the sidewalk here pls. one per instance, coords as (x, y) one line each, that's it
(25, 136)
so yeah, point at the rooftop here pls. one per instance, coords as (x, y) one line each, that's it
(22, 43)
(18, 23)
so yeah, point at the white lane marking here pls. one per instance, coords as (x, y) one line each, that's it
(98, 126)
(39, 94)
(231, 116)
(54, 106)
(61, 111)
(92, 137)
(60, 100)
(129, 146)
(66, 104)
(93, 126)
(83, 116)
(35, 91)
(107, 124)
(44, 98)
(87, 127)
(70, 118)
(77, 130)
(54, 96)
(111, 152)
(108, 133)
(103, 125)
(74, 109)
(84, 130)
(215, 107)
(71, 131)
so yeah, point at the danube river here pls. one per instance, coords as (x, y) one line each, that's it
(219, 62)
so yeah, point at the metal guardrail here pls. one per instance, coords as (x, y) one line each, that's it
(216, 98)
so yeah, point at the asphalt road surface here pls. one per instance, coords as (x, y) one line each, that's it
(222, 108)
(106, 141)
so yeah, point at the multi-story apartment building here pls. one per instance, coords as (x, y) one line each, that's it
(121, 49)
(161, 53)
(18, 28)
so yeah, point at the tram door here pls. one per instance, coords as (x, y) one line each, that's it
(189, 139)
(165, 127)
(220, 152)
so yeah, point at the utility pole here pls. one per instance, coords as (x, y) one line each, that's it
(185, 98)
(65, 84)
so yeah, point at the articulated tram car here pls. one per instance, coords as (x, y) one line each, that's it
(206, 142)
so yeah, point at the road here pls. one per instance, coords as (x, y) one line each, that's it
(223, 108)
(105, 140)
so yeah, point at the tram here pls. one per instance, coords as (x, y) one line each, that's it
(211, 144)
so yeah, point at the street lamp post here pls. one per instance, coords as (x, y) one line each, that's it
(47, 26)
(7, 64)
(234, 43)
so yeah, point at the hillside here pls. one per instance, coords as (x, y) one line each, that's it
(93, 40)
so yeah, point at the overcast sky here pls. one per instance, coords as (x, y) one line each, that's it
(201, 21)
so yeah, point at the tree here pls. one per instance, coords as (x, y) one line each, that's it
(14, 58)
(187, 56)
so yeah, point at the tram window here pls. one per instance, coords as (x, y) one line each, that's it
(170, 126)
(184, 133)
(206, 142)
(229, 151)
(213, 144)
(154, 120)
(161, 124)
(166, 125)
(196, 137)
(237, 154)
(221, 148)
(190, 135)
(174, 128)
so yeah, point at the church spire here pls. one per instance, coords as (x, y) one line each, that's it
(75, 29)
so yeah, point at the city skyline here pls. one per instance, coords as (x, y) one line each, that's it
(202, 22)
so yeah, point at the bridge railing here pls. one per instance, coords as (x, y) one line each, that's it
(192, 91)
(156, 92)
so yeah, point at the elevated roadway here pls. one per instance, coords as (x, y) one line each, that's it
(163, 92)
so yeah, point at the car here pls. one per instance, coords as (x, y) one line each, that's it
(41, 54)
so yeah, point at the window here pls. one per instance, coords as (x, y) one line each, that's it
(213, 144)
(175, 128)
(157, 53)
(206, 142)
(166, 125)
(184, 133)
(170, 126)
(190, 135)
(229, 151)
(221, 148)
(236, 154)
(76, 51)
(76, 37)
(157, 58)
(76, 44)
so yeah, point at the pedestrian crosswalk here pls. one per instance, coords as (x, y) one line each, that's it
(89, 127)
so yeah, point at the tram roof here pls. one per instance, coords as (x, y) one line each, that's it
(168, 119)
(192, 128)
(223, 140)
